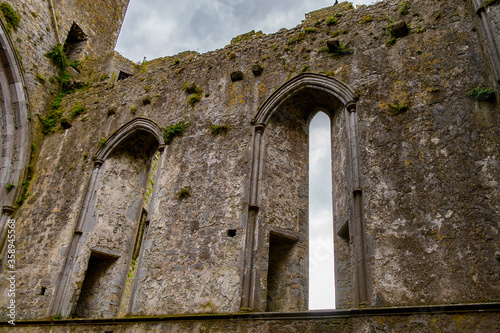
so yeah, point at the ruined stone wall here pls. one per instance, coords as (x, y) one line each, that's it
(429, 171)
(100, 21)
(33, 38)
(38, 32)
(467, 320)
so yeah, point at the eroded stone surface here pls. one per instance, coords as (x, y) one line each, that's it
(429, 175)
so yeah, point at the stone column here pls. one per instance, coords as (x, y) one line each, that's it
(490, 33)
(356, 225)
(140, 269)
(250, 274)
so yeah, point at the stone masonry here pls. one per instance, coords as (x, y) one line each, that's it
(179, 186)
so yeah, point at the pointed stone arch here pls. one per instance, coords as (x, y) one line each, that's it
(15, 139)
(64, 301)
(133, 126)
(344, 93)
(344, 99)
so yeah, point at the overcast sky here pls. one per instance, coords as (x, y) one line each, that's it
(158, 28)
(321, 276)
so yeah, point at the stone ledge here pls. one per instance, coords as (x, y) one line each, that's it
(450, 309)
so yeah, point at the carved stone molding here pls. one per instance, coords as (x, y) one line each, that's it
(331, 85)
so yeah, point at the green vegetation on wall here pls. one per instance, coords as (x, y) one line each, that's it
(58, 56)
(174, 130)
(219, 129)
(25, 186)
(481, 93)
(403, 8)
(195, 92)
(184, 193)
(331, 20)
(396, 109)
(490, 2)
(77, 110)
(102, 142)
(10, 16)
(49, 122)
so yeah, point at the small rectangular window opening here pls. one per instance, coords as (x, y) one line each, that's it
(231, 233)
(344, 230)
(278, 277)
(123, 76)
(94, 286)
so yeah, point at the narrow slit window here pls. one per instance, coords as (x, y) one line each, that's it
(140, 234)
(321, 260)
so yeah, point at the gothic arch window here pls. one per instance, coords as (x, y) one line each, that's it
(277, 219)
(112, 223)
(15, 131)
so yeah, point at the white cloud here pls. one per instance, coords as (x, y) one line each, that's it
(158, 28)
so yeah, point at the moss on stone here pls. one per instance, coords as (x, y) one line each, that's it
(366, 19)
(396, 109)
(219, 129)
(331, 20)
(58, 57)
(50, 121)
(184, 192)
(40, 78)
(488, 3)
(174, 130)
(403, 8)
(193, 99)
(102, 142)
(481, 93)
(10, 15)
(77, 110)
(24, 193)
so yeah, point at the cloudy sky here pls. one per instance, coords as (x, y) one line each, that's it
(321, 285)
(158, 28)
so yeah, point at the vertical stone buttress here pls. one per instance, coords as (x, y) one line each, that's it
(490, 24)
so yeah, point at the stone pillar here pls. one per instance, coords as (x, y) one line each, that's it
(140, 269)
(356, 225)
(250, 274)
(490, 23)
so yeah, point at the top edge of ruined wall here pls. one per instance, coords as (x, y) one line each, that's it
(310, 19)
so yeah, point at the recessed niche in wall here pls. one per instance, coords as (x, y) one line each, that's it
(75, 43)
